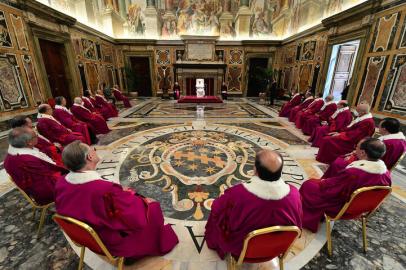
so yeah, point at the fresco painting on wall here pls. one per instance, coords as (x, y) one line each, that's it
(19, 31)
(394, 96)
(89, 49)
(385, 33)
(5, 39)
(32, 78)
(261, 19)
(12, 94)
(136, 17)
(372, 78)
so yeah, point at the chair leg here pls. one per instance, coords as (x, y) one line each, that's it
(42, 220)
(120, 263)
(231, 263)
(328, 234)
(34, 211)
(364, 233)
(82, 258)
(281, 267)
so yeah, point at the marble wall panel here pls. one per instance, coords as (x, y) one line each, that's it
(19, 31)
(92, 76)
(236, 57)
(309, 49)
(393, 99)
(402, 40)
(89, 49)
(32, 78)
(12, 93)
(385, 31)
(305, 76)
(162, 57)
(5, 37)
(234, 78)
(372, 78)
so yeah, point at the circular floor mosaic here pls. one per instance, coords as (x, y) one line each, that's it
(185, 169)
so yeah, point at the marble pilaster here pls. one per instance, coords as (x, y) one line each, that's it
(242, 22)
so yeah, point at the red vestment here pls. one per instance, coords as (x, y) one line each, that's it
(336, 123)
(66, 118)
(119, 96)
(51, 150)
(247, 207)
(298, 108)
(128, 225)
(312, 109)
(34, 172)
(344, 142)
(329, 195)
(314, 121)
(96, 120)
(54, 131)
(107, 109)
(287, 107)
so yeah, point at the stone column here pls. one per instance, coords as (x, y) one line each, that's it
(242, 21)
(151, 19)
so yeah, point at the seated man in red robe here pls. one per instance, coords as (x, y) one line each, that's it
(313, 121)
(393, 139)
(288, 106)
(31, 170)
(311, 110)
(107, 109)
(328, 195)
(43, 144)
(129, 224)
(302, 106)
(264, 201)
(337, 144)
(53, 130)
(66, 118)
(94, 119)
(336, 123)
(120, 97)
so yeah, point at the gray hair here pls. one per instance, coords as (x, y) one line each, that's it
(19, 137)
(74, 155)
(77, 100)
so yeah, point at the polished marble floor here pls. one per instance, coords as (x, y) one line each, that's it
(185, 158)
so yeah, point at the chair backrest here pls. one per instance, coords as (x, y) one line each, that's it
(398, 161)
(364, 201)
(265, 244)
(82, 234)
(26, 196)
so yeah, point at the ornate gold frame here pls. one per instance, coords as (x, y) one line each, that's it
(233, 265)
(363, 218)
(35, 206)
(119, 261)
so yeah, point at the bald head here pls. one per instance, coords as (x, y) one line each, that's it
(268, 165)
(45, 109)
(329, 98)
(363, 108)
(77, 100)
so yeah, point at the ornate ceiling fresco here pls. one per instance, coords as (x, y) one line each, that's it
(228, 19)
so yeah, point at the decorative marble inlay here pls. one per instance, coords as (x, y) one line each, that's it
(32, 78)
(236, 57)
(89, 49)
(234, 78)
(19, 31)
(309, 49)
(163, 57)
(384, 33)
(372, 78)
(5, 38)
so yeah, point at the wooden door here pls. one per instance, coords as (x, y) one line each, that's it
(255, 83)
(342, 70)
(54, 58)
(141, 72)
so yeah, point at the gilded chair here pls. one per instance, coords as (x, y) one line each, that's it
(398, 161)
(362, 204)
(35, 207)
(265, 244)
(84, 237)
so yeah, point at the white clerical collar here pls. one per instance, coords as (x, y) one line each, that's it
(42, 137)
(373, 167)
(359, 119)
(101, 97)
(311, 97)
(339, 111)
(115, 89)
(394, 136)
(267, 190)
(84, 177)
(62, 108)
(88, 100)
(81, 106)
(316, 100)
(47, 116)
(295, 95)
(29, 151)
(326, 104)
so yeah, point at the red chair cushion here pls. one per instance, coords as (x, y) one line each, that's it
(365, 202)
(51, 102)
(79, 235)
(265, 247)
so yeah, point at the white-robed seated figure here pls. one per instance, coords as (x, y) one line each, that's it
(200, 88)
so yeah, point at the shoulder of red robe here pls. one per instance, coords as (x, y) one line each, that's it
(372, 167)
(395, 136)
(267, 190)
(31, 152)
(85, 177)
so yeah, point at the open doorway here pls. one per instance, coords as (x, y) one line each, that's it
(341, 67)
(55, 62)
(256, 84)
(142, 75)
